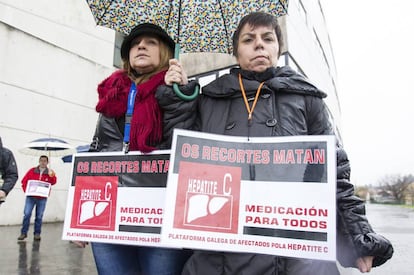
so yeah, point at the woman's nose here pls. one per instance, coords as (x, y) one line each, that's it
(141, 44)
(259, 43)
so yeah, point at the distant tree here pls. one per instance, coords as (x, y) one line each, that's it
(396, 185)
(361, 191)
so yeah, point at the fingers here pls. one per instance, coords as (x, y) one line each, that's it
(364, 264)
(174, 61)
(51, 172)
(175, 73)
(80, 244)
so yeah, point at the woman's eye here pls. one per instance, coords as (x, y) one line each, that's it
(135, 42)
(152, 41)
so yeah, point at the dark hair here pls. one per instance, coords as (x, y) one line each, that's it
(44, 156)
(256, 19)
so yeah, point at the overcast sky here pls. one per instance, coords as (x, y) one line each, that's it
(373, 44)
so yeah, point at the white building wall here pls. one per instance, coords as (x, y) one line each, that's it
(52, 56)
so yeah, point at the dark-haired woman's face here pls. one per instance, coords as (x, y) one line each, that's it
(144, 55)
(258, 48)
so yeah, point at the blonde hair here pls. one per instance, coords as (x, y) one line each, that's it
(165, 55)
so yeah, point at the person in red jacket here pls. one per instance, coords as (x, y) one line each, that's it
(36, 181)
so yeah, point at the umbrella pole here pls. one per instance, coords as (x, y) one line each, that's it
(49, 165)
(175, 85)
(49, 160)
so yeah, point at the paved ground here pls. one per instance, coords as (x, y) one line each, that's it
(53, 256)
(50, 256)
(397, 225)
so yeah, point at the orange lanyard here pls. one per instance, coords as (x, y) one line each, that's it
(250, 110)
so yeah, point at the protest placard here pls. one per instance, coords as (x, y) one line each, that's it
(263, 195)
(117, 198)
(38, 188)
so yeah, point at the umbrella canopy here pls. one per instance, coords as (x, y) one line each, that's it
(79, 149)
(196, 25)
(51, 147)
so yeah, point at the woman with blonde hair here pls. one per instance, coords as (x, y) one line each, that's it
(128, 96)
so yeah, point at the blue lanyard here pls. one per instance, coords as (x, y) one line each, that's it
(128, 115)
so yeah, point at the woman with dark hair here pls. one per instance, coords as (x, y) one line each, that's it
(260, 99)
(145, 53)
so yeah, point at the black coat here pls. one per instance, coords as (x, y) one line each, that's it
(8, 169)
(288, 105)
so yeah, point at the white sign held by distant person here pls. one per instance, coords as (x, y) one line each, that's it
(273, 195)
(38, 188)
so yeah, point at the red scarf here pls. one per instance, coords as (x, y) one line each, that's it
(146, 122)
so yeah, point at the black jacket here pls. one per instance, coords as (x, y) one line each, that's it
(8, 169)
(288, 105)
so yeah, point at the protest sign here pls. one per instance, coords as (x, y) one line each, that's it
(263, 195)
(38, 188)
(117, 198)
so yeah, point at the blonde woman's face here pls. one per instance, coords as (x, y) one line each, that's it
(258, 48)
(144, 55)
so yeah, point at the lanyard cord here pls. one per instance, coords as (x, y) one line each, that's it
(128, 115)
(250, 110)
(252, 168)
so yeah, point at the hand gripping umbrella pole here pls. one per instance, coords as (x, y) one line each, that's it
(175, 85)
